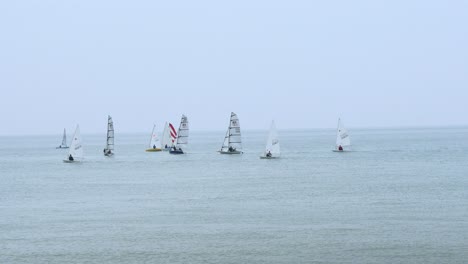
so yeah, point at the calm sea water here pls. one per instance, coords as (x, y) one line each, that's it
(400, 197)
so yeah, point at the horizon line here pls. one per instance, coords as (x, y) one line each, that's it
(266, 129)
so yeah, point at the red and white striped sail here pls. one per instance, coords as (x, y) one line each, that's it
(173, 132)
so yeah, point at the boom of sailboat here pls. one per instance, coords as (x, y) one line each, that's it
(176, 142)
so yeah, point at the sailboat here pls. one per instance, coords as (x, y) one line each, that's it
(154, 144)
(342, 138)
(272, 149)
(182, 137)
(109, 149)
(75, 153)
(232, 141)
(64, 141)
(168, 136)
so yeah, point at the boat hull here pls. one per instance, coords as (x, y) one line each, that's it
(176, 152)
(153, 150)
(265, 157)
(70, 161)
(61, 147)
(230, 152)
(335, 150)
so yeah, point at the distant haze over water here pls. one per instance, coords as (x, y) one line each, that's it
(302, 63)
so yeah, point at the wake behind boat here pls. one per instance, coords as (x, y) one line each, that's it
(272, 148)
(75, 153)
(342, 138)
(109, 149)
(154, 144)
(232, 141)
(64, 141)
(182, 137)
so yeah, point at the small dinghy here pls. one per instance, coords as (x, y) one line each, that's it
(168, 137)
(342, 138)
(272, 148)
(64, 141)
(232, 141)
(154, 144)
(75, 152)
(182, 137)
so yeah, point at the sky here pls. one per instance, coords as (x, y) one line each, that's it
(303, 63)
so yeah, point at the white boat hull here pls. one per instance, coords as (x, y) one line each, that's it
(230, 152)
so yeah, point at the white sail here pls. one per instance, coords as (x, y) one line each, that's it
(64, 140)
(166, 137)
(233, 137)
(154, 140)
(225, 145)
(110, 136)
(342, 136)
(76, 149)
(272, 144)
(183, 133)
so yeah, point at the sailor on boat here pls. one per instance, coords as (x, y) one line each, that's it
(231, 149)
(340, 148)
(70, 158)
(269, 154)
(154, 146)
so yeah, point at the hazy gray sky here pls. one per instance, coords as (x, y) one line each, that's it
(303, 63)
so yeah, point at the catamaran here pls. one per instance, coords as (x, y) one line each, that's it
(154, 144)
(232, 141)
(272, 149)
(64, 141)
(342, 138)
(182, 137)
(168, 136)
(109, 149)
(75, 153)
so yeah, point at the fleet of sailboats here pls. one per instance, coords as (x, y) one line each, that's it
(109, 149)
(232, 141)
(154, 144)
(342, 138)
(272, 148)
(180, 143)
(64, 141)
(75, 152)
(176, 141)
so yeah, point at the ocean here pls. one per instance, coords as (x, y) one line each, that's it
(400, 196)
